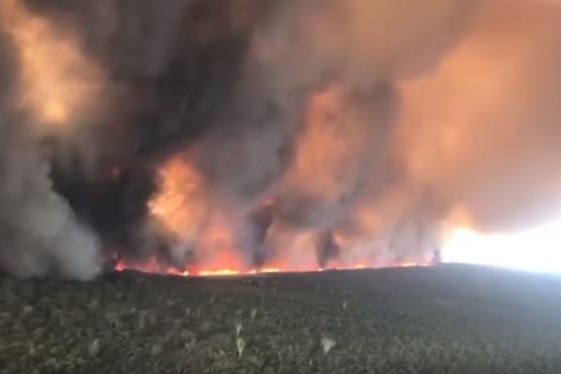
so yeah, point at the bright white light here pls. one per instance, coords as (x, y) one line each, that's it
(537, 249)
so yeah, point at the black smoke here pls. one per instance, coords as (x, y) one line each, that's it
(172, 68)
(235, 88)
(233, 78)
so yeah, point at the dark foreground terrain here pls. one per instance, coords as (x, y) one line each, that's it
(449, 319)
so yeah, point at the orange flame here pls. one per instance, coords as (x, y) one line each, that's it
(226, 272)
(180, 206)
(188, 212)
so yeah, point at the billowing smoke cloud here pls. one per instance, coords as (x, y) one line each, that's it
(40, 233)
(243, 133)
(485, 127)
(318, 111)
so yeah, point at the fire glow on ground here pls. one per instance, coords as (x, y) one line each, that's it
(534, 250)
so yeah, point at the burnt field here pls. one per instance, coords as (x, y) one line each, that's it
(447, 319)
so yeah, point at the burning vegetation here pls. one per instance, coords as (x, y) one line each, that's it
(242, 136)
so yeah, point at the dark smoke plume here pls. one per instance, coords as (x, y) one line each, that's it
(294, 131)
(38, 229)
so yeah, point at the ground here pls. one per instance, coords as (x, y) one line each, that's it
(445, 319)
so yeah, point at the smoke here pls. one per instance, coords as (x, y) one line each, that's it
(484, 128)
(313, 121)
(40, 233)
(243, 133)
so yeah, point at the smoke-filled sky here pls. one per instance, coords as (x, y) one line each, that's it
(249, 133)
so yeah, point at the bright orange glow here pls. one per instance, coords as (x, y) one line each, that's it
(218, 273)
(270, 270)
(408, 265)
(212, 231)
(57, 82)
(152, 267)
(217, 249)
(180, 206)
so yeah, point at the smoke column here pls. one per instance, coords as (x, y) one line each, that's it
(40, 232)
(294, 134)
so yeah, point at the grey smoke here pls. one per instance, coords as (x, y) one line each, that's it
(486, 125)
(229, 83)
(299, 51)
(39, 233)
(235, 77)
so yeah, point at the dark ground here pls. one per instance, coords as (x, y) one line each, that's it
(449, 319)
